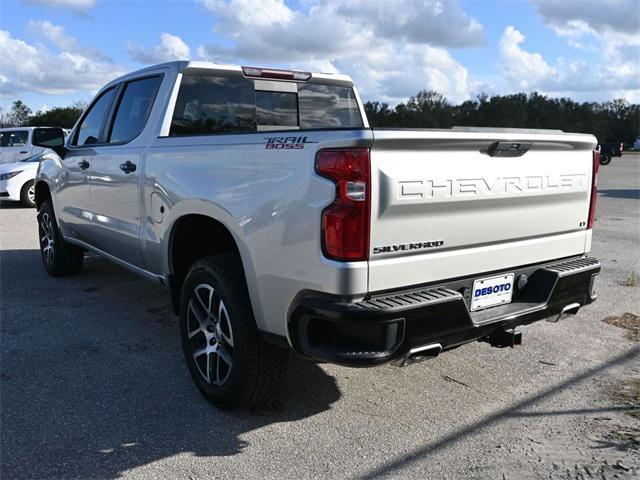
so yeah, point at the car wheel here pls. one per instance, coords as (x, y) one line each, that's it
(605, 160)
(59, 258)
(28, 194)
(229, 362)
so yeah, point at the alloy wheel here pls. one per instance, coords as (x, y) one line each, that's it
(47, 243)
(209, 334)
(31, 194)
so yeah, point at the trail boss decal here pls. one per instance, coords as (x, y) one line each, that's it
(407, 246)
(286, 143)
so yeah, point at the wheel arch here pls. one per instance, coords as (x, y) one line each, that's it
(43, 192)
(192, 236)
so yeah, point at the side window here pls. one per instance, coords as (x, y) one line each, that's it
(89, 130)
(133, 110)
(17, 138)
(207, 104)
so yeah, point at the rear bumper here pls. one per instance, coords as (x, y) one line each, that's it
(385, 327)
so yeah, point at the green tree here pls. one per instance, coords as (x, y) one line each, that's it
(614, 121)
(64, 117)
(20, 113)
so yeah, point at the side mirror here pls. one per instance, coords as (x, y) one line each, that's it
(52, 138)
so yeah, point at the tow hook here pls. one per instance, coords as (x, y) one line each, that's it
(505, 338)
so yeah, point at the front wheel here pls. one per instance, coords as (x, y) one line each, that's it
(229, 362)
(28, 194)
(605, 160)
(59, 258)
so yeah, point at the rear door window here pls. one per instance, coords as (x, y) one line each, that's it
(91, 126)
(134, 108)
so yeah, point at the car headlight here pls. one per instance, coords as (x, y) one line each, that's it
(7, 176)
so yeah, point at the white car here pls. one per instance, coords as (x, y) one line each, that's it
(16, 180)
(17, 143)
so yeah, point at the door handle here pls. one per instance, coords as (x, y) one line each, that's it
(24, 151)
(128, 167)
(83, 164)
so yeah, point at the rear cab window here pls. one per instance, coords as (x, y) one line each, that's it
(212, 104)
(209, 104)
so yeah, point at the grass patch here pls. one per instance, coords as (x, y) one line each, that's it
(632, 280)
(629, 321)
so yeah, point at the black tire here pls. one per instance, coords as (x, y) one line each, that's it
(229, 334)
(28, 194)
(605, 160)
(59, 258)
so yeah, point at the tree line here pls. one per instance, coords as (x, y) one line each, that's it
(21, 115)
(613, 121)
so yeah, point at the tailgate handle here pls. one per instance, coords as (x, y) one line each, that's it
(508, 149)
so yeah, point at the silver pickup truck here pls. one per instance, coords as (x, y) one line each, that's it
(278, 219)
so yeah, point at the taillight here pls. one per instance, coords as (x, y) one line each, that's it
(345, 223)
(594, 189)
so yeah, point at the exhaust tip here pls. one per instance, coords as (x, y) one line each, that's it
(419, 354)
(567, 310)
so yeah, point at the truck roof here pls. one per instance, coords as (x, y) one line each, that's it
(181, 66)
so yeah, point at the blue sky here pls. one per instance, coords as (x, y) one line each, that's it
(59, 51)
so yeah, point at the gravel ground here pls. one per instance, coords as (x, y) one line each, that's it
(94, 386)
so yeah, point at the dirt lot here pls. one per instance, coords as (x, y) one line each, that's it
(94, 386)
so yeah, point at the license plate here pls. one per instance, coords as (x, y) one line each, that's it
(492, 291)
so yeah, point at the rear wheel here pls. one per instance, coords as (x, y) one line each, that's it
(28, 194)
(605, 160)
(228, 360)
(59, 258)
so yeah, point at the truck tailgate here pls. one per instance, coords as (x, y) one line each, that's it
(462, 202)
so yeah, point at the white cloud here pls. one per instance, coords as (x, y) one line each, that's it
(610, 31)
(34, 68)
(171, 47)
(607, 77)
(622, 16)
(524, 69)
(433, 22)
(54, 33)
(392, 49)
(79, 5)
